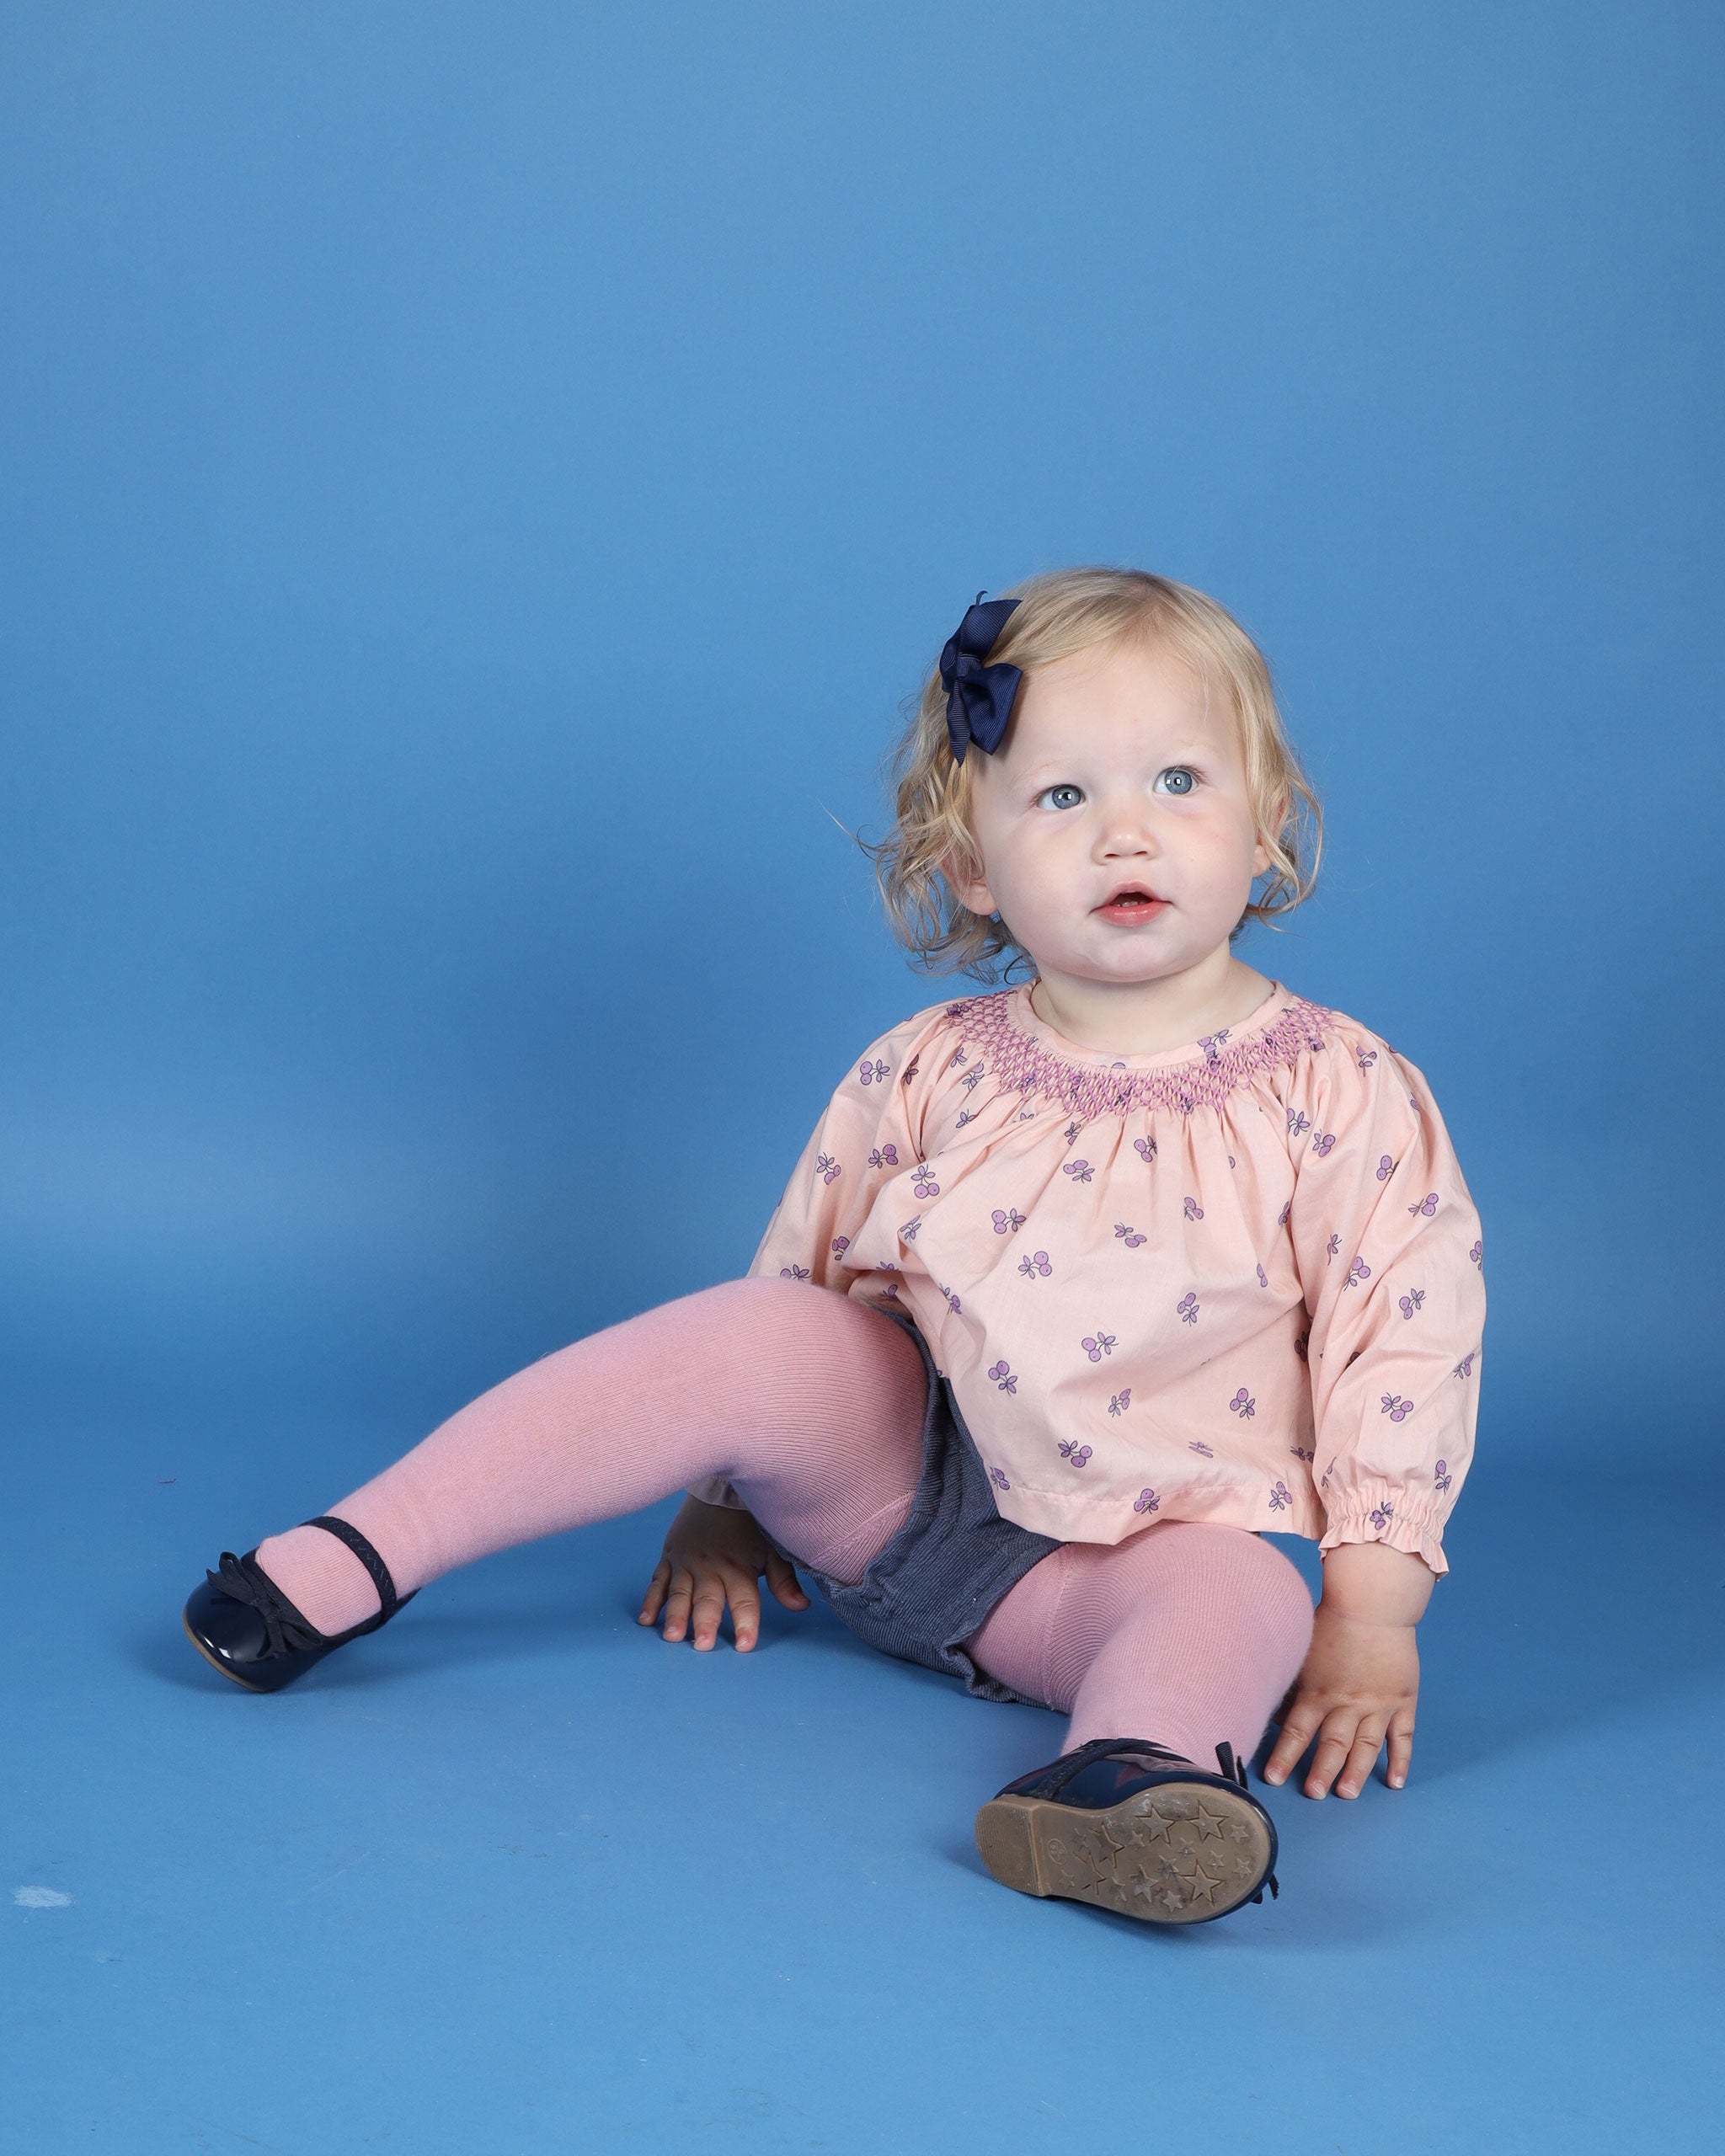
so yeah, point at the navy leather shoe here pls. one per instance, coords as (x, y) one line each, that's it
(242, 1625)
(1130, 1826)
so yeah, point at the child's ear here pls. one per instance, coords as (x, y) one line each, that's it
(967, 884)
(1261, 860)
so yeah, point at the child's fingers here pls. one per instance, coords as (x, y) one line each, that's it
(1334, 1746)
(1298, 1726)
(782, 1578)
(654, 1599)
(677, 1605)
(1400, 1748)
(1362, 1756)
(709, 1600)
(746, 1609)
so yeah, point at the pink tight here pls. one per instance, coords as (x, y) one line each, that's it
(812, 1406)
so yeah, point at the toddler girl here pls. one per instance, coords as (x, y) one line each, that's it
(1079, 1285)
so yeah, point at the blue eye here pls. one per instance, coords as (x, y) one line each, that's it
(1075, 791)
(1178, 771)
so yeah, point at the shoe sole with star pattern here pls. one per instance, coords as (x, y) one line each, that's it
(1178, 1852)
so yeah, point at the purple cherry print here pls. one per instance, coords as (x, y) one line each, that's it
(1188, 1306)
(1279, 1498)
(1145, 1150)
(1081, 1170)
(1243, 1405)
(793, 1272)
(1130, 1236)
(1428, 1205)
(1121, 1401)
(1036, 1263)
(1146, 1500)
(1442, 1479)
(1003, 1378)
(1097, 1344)
(1071, 1449)
(826, 1167)
(1412, 1301)
(1396, 1407)
(923, 1182)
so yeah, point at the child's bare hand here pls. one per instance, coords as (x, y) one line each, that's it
(713, 1555)
(1361, 1678)
(1358, 1687)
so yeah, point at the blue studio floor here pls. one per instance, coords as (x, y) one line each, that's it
(516, 1876)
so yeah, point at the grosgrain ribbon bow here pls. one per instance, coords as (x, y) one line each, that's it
(978, 696)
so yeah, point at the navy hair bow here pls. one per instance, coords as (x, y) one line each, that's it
(978, 696)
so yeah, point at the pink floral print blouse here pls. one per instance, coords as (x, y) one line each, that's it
(1238, 1281)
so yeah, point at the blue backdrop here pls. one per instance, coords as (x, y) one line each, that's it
(480, 482)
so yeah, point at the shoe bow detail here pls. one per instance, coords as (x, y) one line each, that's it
(288, 1632)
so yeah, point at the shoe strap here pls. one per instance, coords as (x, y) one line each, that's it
(1105, 1747)
(387, 1596)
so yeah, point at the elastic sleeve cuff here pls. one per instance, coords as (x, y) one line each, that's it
(714, 1490)
(1418, 1533)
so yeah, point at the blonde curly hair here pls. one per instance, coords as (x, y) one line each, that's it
(1065, 611)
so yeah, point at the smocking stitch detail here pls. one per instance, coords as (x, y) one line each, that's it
(1020, 1064)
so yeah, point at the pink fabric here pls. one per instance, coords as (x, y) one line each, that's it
(1186, 1634)
(1240, 1281)
(813, 1405)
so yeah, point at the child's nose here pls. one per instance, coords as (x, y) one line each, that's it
(1128, 831)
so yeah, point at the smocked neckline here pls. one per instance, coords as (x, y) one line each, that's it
(1022, 1018)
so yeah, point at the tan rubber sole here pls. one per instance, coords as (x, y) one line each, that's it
(1177, 1853)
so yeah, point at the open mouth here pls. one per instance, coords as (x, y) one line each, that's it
(1132, 902)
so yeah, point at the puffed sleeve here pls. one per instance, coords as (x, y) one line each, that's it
(866, 1136)
(1388, 1247)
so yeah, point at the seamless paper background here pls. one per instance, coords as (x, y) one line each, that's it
(478, 485)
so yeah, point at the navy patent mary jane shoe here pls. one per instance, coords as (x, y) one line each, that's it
(1133, 1826)
(242, 1625)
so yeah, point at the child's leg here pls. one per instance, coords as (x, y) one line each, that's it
(1185, 1634)
(811, 1405)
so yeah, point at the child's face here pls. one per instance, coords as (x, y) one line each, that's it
(1120, 766)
